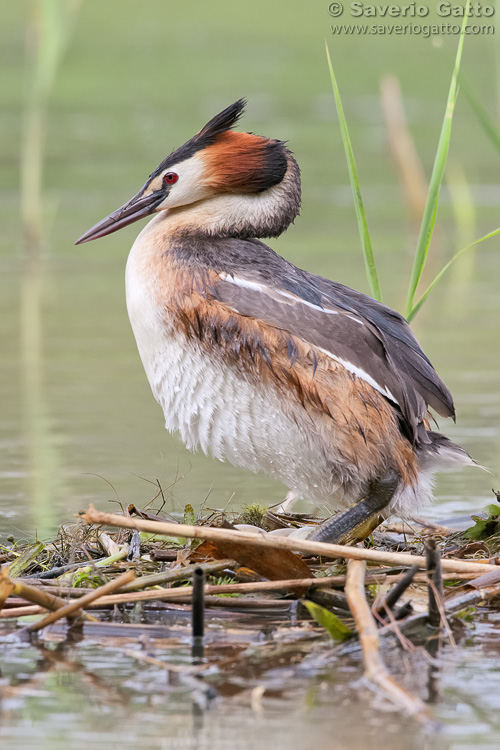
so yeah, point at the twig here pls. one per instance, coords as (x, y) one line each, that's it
(471, 598)
(394, 527)
(299, 545)
(178, 574)
(451, 606)
(6, 585)
(393, 596)
(198, 614)
(181, 593)
(218, 602)
(435, 586)
(112, 548)
(437, 613)
(55, 572)
(487, 580)
(71, 609)
(391, 616)
(163, 555)
(30, 609)
(240, 602)
(443, 530)
(58, 590)
(35, 596)
(334, 581)
(375, 669)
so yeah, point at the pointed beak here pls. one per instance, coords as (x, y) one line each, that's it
(136, 208)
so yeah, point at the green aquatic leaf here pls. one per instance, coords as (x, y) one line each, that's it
(188, 515)
(329, 621)
(479, 530)
(485, 527)
(466, 614)
(25, 559)
(188, 519)
(492, 510)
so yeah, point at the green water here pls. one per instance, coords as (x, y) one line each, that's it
(138, 79)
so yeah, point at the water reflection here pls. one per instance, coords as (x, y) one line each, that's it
(45, 471)
(70, 690)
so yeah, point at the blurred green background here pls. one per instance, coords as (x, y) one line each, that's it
(135, 81)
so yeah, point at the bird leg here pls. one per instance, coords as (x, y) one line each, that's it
(358, 521)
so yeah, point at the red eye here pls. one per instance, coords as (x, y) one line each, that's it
(170, 178)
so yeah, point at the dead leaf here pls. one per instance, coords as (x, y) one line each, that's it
(488, 579)
(274, 564)
(471, 549)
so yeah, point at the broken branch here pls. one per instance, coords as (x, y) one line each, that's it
(74, 606)
(375, 669)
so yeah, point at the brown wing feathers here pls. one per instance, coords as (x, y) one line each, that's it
(263, 295)
(402, 348)
(365, 425)
(354, 343)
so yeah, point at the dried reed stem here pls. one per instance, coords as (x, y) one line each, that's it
(30, 609)
(257, 586)
(35, 596)
(165, 528)
(375, 669)
(178, 574)
(403, 146)
(71, 609)
(184, 592)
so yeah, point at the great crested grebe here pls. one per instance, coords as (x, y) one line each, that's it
(261, 363)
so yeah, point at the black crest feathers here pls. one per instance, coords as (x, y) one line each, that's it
(225, 120)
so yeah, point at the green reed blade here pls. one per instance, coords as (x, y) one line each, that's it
(371, 271)
(486, 120)
(433, 283)
(431, 205)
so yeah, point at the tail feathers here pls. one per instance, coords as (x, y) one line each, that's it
(441, 453)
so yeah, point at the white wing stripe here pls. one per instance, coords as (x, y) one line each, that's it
(360, 374)
(242, 282)
(245, 284)
(305, 302)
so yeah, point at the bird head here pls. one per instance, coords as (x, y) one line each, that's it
(215, 165)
